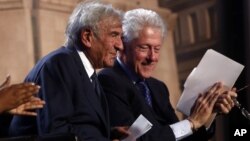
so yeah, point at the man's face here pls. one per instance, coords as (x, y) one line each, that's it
(108, 42)
(142, 53)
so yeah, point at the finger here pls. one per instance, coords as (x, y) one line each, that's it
(8, 79)
(26, 86)
(216, 93)
(234, 89)
(37, 101)
(226, 104)
(27, 113)
(213, 99)
(27, 92)
(223, 109)
(33, 107)
(199, 102)
(31, 87)
(229, 100)
(228, 97)
(233, 94)
(18, 89)
(34, 103)
(40, 102)
(6, 82)
(33, 98)
(225, 100)
(214, 89)
(222, 101)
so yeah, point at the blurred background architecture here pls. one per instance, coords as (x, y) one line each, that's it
(29, 29)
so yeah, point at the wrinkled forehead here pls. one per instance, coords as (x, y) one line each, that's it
(148, 33)
(109, 23)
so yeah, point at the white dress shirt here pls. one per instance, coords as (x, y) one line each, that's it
(181, 129)
(87, 65)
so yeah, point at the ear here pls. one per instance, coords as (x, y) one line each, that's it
(86, 37)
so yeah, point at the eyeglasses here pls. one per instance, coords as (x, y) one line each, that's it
(244, 112)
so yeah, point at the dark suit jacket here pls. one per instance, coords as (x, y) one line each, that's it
(72, 105)
(126, 104)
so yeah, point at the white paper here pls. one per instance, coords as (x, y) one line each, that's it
(138, 128)
(214, 67)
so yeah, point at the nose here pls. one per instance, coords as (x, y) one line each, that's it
(119, 44)
(152, 55)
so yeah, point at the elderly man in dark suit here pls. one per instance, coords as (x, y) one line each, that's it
(132, 91)
(75, 103)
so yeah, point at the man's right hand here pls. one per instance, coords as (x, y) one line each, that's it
(203, 106)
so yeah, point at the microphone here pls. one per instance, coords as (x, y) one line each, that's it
(244, 112)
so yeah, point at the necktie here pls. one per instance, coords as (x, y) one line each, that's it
(98, 90)
(143, 87)
(96, 84)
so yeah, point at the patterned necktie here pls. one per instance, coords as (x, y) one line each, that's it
(143, 87)
(96, 84)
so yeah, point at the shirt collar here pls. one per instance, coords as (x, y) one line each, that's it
(87, 65)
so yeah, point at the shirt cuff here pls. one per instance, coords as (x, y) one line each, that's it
(181, 129)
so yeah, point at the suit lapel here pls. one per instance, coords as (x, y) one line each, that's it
(122, 73)
(89, 90)
(160, 103)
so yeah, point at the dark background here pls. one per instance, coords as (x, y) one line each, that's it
(234, 19)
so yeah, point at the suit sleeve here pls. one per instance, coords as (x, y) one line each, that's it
(55, 90)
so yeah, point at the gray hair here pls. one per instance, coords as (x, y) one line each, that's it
(136, 19)
(87, 15)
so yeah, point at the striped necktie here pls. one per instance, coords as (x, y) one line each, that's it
(143, 87)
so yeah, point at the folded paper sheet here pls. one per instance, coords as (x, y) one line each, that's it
(138, 128)
(213, 67)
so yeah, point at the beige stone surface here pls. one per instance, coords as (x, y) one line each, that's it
(16, 53)
(51, 28)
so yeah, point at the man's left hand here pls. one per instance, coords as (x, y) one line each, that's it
(225, 103)
(119, 133)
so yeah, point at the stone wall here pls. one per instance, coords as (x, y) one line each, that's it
(16, 43)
